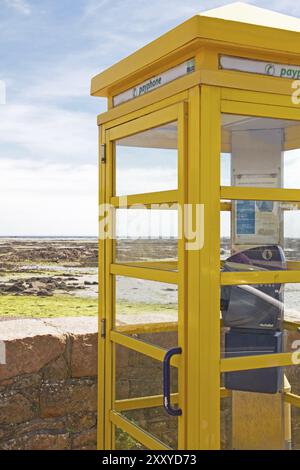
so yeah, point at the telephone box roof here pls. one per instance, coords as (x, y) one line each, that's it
(245, 13)
(237, 25)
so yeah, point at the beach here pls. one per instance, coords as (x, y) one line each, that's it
(48, 277)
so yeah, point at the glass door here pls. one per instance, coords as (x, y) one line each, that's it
(144, 308)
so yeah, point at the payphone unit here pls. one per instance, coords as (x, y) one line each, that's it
(254, 315)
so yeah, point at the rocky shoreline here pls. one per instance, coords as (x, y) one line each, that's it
(43, 286)
(47, 267)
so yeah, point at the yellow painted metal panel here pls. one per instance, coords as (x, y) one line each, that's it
(292, 399)
(260, 194)
(155, 119)
(226, 206)
(267, 96)
(159, 197)
(252, 36)
(293, 265)
(193, 274)
(228, 80)
(171, 93)
(203, 430)
(259, 277)
(292, 137)
(105, 257)
(224, 393)
(182, 279)
(101, 312)
(210, 147)
(136, 432)
(291, 325)
(170, 277)
(142, 347)
(109, 305)
(154, 401)
(292, 145)
(256, 362)
(165, 265)
(260, 110)
(143, 402)
(257, 421)
(273, 91)
(147, 328)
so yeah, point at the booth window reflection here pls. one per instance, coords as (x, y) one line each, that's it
(147, 161)
(258, 236)
(260, 152)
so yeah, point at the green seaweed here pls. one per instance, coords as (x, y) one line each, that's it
(38, 307)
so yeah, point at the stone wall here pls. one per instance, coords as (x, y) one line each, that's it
(48, 387)
(48, 395)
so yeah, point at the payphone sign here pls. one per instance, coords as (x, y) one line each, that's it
(257, 222)
(155, 82)
(238, 64)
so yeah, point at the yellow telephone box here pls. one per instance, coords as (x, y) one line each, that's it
(199, 251)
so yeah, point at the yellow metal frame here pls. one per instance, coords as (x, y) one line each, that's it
(136, 432)
(196, 101)
(260, 104)
(155, 271)
(201, 325)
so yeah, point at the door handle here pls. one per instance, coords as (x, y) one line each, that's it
(166, 382)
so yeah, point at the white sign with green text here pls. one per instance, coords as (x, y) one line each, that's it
(270, 69)
(155, 82)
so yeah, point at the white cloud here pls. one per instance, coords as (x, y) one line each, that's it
(49, 126)
(66, 81)
(46, 199)
(49, 133)
(21, 6)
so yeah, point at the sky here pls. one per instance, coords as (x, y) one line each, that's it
(49, 51)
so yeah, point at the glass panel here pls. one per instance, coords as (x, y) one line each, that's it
(260, 152)
(147, 237)
(260, 235)
(126, 442)
(156, 421)
(256, 420)
(226, 423)
(261, 421)
(139, 301)
(262, 306)
(147, 161)
(253, 325)
(140, 376)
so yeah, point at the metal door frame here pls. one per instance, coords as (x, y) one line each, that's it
(109, 415)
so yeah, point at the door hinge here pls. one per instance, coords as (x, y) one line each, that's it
(103, 328)
(103, 153)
